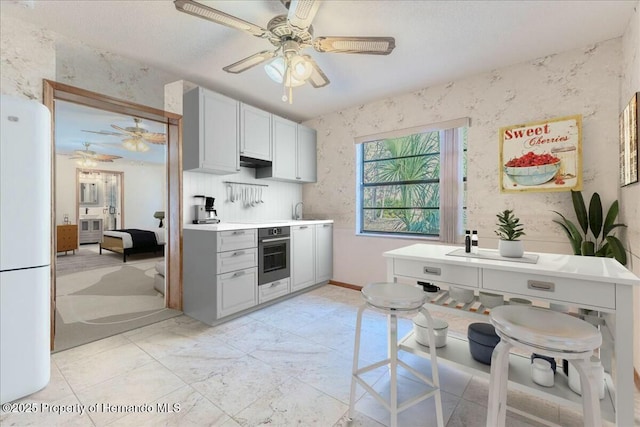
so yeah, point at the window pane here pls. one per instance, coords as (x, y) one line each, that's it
(402, 196)
(400, 184)
(419, 143)
(413, 221)
(406, 169)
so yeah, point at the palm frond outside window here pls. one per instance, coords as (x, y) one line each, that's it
(401, 179)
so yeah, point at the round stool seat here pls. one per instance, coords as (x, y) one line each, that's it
(548, 329)
(394, 296)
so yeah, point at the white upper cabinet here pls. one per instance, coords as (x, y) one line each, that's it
(306, 161)
(211, 132)
(255, 133)
(284, 149)
(294, 152)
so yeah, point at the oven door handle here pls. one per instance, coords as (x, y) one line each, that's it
(276, 239)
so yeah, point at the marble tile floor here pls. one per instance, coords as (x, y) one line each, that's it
(287, 364)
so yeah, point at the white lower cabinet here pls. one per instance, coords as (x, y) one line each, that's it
(324, 252)
(220, 269)
(236, 291)
(303, 255)
(273, 290)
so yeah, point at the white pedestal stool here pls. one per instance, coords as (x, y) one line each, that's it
(392, 299)
(549, 333)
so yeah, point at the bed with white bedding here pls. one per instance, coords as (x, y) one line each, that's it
(133, 241)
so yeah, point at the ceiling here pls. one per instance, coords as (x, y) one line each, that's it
(73, 120)
(436, 41)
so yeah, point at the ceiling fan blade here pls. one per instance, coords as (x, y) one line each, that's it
(154, 138)
(301, 13)
(317, 78)
(103, 132)
(250, 61)
(219, 17)
(365, 45)
(106, 157)
(126, 132)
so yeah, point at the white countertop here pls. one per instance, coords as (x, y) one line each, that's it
(587, 268)
(225, 226)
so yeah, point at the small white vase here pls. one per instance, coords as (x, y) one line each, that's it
(511, 248)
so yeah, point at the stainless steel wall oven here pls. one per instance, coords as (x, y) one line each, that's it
(274, 254)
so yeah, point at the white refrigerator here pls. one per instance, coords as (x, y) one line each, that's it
(25, 251)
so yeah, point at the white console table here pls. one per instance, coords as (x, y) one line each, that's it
(600, 284)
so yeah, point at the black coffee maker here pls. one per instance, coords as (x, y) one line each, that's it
(205, 210)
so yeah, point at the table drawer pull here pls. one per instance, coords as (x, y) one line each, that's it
(431, 270)
(541, 286)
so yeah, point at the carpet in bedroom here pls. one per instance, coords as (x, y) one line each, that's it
(98, 303)
(87, 257)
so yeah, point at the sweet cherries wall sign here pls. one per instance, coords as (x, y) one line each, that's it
(541, 156)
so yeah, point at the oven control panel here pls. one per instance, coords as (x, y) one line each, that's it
(273, 231)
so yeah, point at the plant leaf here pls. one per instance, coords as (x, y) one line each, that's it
(617, 250)
(588, 248)
(580, 209)
(612, 213)
(595, 215)
(575, 238)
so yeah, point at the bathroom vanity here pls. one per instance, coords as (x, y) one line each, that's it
(601, 285)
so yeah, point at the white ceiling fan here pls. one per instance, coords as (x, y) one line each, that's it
(135, 137)
(290, 34)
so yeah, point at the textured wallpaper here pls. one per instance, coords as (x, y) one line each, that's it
(23, 65)
(584, 81)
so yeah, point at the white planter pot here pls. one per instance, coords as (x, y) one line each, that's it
(511, 248)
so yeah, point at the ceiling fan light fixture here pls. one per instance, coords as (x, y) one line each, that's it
(277, 70)
(86, 163)
(300, 68)
(135, 144)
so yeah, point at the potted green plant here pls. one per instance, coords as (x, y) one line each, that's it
(595, 236)
(509, 230)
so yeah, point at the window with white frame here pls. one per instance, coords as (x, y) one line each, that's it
(412, 182)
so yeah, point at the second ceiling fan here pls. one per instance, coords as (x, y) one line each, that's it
(290, 34)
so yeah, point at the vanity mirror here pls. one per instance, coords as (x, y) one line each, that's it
(89, 193)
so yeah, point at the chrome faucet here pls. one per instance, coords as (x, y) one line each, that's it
(295, 211)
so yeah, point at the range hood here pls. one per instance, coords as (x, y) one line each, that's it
(250, 162)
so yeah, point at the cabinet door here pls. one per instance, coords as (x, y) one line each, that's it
(220, 133)
(324, 252)
(211, 132)
(307, 156)
(284, 148)
(84, 225)
(302, 257)
(236, 291)
(255, 133)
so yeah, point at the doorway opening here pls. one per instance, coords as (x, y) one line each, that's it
(144, 287)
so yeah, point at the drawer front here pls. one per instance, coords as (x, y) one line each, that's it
(435, 272)
(574, 291)
(273, 290)
(237, 260)
(237, 239)
(236, 291)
